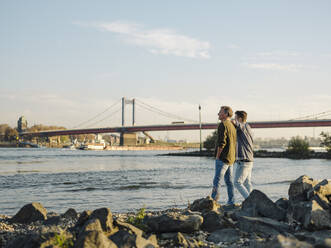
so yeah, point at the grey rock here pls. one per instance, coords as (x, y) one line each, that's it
(84, 216)
(204, 204)
(317, 237)
(180, 240)
(30, 213)
(131, 236)
(299, 188)
(92, 225)
(264, 227)
(94, 239)
(70, 214)
(282, 203)
(257, 204)
(174, 223)
(105, 217)
(281, 241)
(224, 235)
(323, 188)
(311, 215)
(213, 220)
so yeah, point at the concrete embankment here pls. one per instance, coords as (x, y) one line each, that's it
(302, 220)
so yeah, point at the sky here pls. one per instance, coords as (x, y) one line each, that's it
(65, 62)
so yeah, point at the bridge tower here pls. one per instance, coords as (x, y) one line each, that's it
(128, 138)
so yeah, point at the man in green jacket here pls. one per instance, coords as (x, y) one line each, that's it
(225, 153)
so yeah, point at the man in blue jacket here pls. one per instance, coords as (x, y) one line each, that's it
(244, 154)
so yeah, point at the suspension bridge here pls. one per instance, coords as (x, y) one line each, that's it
(180, 123)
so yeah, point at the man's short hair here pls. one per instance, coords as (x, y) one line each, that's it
(227, 110)
(241, 114)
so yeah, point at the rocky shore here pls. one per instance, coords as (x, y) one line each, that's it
(257, 154)
(302, 220)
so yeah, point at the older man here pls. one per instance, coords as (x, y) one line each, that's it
(224, 153)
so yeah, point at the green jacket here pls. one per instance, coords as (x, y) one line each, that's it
(226, 139)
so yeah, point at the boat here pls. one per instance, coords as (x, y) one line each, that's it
(92, 146)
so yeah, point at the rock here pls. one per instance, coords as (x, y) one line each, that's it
(299, 188)
(180, 240)
(317, 237)
(105, 217)
(131, 236)
(213, 220)
(54, 220)
(30, 213)
(174, 223)
(43, 239)
(257, 204)
(224, 235)
(70, 214)
(204, 204)
(323, 188)
(94, 239)
(92, 225)
(84, 216)
(311, 215)
(265, 227)
(282, 203)
(285, 242)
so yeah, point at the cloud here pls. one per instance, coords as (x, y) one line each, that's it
(275, 67)
(156, 41)
(233, 46)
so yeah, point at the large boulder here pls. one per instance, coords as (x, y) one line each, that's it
(229, 235)
(84, 216)
(94, 239)
(30, 213)
(105, 217)
(317, 238)
(299, 188)
(131, 236)
(257, 204)
(174, 223)
(281, 241)
(204, 204)
(311, 215)
(213, 220)
(263, 226)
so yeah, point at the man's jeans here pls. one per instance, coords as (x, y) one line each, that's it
(242, 179)
(225, 171)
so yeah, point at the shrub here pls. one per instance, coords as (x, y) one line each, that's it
(210, 141)
(298, 147)
(326, 141)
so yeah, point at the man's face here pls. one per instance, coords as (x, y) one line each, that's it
(221, 115)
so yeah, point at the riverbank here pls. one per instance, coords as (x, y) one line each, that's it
(302, 220)
(257, 154)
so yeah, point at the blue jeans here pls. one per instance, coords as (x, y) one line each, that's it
(242, 177)
(225, 171)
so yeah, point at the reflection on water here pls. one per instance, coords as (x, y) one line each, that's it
(128, 180)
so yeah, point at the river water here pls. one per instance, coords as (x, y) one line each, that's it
(128, 180)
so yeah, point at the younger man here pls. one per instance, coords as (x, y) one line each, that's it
(244, 155)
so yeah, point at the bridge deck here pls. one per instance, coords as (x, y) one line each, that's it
(173, 127)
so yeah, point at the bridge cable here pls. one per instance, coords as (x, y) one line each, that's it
(161, 112)
(97, 115)
(313, 116)
(111, 114)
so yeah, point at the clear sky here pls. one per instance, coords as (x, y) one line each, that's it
(63, 62)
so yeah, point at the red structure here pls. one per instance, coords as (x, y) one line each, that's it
(173, 127)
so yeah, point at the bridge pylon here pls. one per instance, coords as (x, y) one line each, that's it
(128, 138)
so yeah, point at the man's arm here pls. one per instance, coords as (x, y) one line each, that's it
(221, 140)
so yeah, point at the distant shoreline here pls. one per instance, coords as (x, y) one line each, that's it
(257, 154)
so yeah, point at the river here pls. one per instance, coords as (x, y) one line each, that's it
(128, 180)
